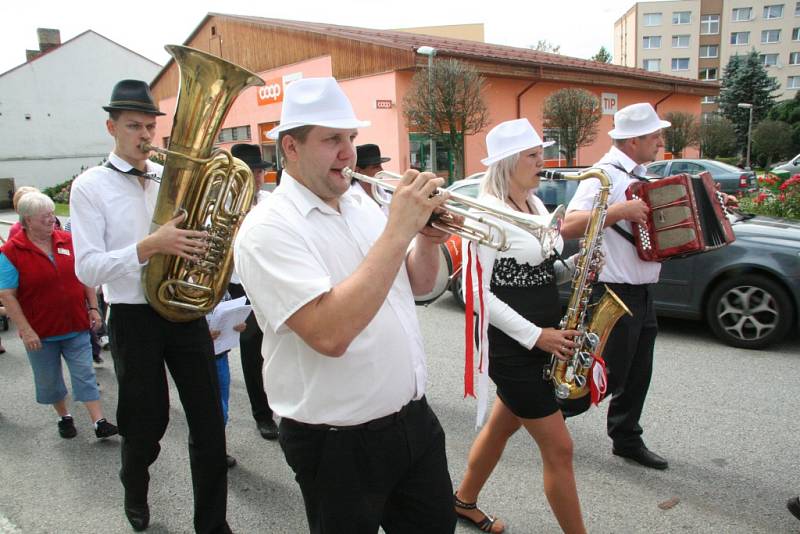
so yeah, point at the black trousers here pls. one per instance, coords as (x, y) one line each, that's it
(629, 365)
(252, 362)
(142, 342)
(391, 472)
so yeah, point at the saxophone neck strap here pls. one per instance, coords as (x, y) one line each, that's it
(616, 227)
(133, 171)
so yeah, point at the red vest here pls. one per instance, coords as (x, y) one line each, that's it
(52, 298)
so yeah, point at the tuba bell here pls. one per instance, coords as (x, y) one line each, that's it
(214, 189)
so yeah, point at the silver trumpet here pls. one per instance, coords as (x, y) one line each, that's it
(488, 231)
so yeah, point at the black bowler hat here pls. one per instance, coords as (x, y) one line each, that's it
(132, 95)
(369, 155)
(250, 154)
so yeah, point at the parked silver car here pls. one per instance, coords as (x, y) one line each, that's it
(731, 179)
(748, 292)
(792, 166)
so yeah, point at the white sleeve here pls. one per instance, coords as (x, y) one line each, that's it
(501, 315)
(94, 264)
(279, 272)
(583, 199)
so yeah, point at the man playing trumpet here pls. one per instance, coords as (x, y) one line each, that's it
(331, 281)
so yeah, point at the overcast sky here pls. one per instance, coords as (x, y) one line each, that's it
(145, 26)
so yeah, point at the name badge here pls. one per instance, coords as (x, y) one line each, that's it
(64, 251)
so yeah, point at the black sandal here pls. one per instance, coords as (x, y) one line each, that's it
(485, 524)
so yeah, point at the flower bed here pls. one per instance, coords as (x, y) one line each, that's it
(776, 196)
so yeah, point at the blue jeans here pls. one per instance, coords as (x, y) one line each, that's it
(224, 378)
(49, 378)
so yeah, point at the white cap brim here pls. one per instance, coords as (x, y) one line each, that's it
(617, 133)
(511, 151)
(337, 123)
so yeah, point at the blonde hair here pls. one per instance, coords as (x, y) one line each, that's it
(499, 173)
(20, 192)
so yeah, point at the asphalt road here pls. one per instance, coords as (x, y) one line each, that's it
(725, 418)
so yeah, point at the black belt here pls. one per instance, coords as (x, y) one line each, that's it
(375, 424)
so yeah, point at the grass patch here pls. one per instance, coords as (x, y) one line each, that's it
(62, 210)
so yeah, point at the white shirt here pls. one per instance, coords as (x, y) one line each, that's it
(623, 264)
(261, 195)
(525, 249)
(291, 249)
(110, 213)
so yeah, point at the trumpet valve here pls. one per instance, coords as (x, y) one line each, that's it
(562, 391)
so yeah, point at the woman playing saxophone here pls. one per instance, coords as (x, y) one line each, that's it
(521, 296)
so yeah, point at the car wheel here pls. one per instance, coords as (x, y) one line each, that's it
(749, 312)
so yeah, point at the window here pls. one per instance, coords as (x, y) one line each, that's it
(709, 25)
(680, 63)
(709, 51)
(741, 14)
(794, 58)
(238, 133)
(795, 34)
(653, 65)
(793, 82)
(651, 41)
(740, 38)
(706, 115)
(681, 17)
(768, 60)
(656, 169)
(708, 74)
(797, 9)
(165, 141)
(770, 36)
(652, 19)
(553, 151)
(686, 166)
(773, 12)
(709, 100)
(680, 41)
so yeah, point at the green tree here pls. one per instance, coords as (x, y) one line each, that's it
(717, 137)
(683, 132)
(746, 81)
(788, 111)
(574, 114)
(447, 101)
(603, 56)
(772, 141)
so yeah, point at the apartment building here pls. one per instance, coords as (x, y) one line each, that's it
(696, 38)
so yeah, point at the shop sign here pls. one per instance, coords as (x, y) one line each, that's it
(609, 101)
(383, 104)
(272, 90)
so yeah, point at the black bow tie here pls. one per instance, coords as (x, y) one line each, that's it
(134, 172)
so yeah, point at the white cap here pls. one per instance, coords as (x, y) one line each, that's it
(316, 102)
(636, 120)
(510, 137)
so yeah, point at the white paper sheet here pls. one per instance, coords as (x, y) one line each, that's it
(225, 316)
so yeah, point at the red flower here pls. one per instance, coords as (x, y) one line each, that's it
(761, 198)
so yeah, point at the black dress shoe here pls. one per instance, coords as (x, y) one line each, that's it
(268, 429)
(138, 516)
(643, 456)
(794, 506)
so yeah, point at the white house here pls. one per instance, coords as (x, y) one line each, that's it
(51, 119)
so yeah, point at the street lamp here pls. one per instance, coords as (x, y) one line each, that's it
(749, 129)
(430, 52)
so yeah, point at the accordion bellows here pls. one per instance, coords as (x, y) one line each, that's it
(687, 216)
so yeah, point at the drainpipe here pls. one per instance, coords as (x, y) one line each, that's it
(519, 98)
(674, 90)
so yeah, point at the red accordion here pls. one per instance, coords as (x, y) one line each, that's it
(687, 216)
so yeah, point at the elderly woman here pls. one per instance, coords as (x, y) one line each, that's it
(53, 312)
(524, 313)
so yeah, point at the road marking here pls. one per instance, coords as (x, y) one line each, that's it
(7, 527)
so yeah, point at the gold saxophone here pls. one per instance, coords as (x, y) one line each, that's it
(570, 377)
(214, 189)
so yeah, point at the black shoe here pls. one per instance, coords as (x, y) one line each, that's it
(794, 506)
(103, 429)
(230, 460)
(97, 358)
(66, 427)
(138, 516)
(268, 429)
(643, 456)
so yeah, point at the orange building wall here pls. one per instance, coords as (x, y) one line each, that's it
(388, 128)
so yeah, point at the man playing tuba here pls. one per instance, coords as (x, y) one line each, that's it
(111, 206)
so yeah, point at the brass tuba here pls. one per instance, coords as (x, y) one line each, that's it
(214, 189)
(570, 377)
